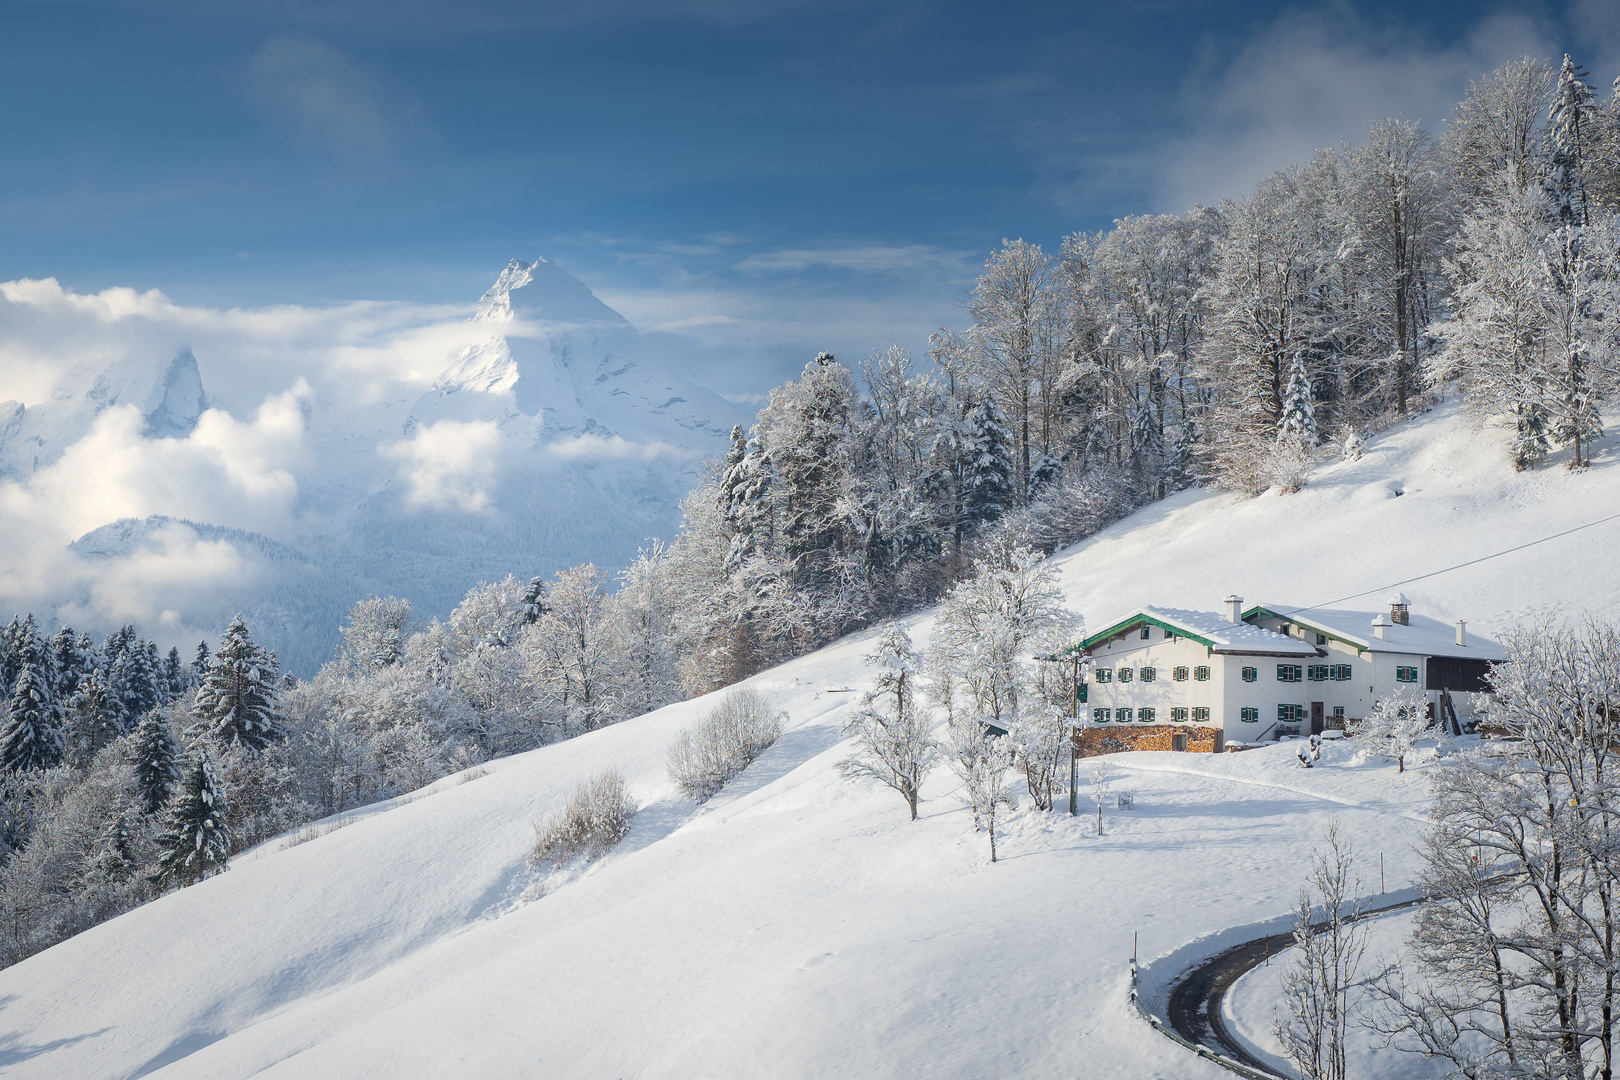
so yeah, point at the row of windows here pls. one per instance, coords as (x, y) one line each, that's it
(1288, 673)
(1178, 715)
(1149, 674)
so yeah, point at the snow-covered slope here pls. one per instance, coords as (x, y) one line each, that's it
(798, 925)
(547, 438)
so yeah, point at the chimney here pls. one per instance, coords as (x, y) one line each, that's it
(1381, 625)
(1234, 608)
(1462, 632)
(1399, 609)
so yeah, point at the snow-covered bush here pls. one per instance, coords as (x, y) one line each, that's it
(597, 817)
(1396, 724)
(741, 727)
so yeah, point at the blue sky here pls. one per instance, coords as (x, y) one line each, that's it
(751, 180)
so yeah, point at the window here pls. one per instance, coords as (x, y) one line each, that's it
(1250, 715)
(1122, 716)
(1250, 674)
(1288, 672)
(1201, 716)
(1103, 674)
(1338, 712)
(1149, 674)
(1317, 673)
(1406, 674)
(1101, 715)
(1144, 716)
(1290, 713)
(1321, 639)
(1178, 715)
(1168, 633)
(1341, 672)
(1146, 630)
(1201, 673)
(1124, 674)
(1179, 674)
(1286, 629)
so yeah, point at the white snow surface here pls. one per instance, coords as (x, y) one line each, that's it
(1228, 637)
(798, 925)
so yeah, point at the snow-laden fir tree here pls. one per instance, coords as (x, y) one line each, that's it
(175, 679)
(196, 840)
(989, 471)
(534, 600)
(69, 661)
(893, 744)
(199, 663)
(237, 700)
(31, 737)
(154, 753)
(1297, 423)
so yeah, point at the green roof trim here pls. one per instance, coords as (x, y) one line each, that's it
(1292, 617)
(1131, 623)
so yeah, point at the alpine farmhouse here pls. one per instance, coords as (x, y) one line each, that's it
(1254, 674)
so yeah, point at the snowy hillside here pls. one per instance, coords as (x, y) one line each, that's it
(798, 925)
(538, 436)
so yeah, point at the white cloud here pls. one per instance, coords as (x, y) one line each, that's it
(1313, 79)
(226, 470)
(863, 258)
(317, 92)
(449, 464)
(614, 447)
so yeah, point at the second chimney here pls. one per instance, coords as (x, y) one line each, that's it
(1399, 609)
(1462, 632)
(1234, 608)
(1381, 625)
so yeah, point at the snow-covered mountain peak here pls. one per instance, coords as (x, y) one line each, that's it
(542, 292)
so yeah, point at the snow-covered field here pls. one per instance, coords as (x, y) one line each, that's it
(798, 925)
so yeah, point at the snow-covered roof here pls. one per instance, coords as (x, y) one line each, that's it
(1422, 636)
(1209, 628)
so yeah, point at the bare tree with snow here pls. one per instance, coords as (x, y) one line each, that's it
(894, 744)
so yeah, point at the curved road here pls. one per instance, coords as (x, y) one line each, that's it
(1195, 998)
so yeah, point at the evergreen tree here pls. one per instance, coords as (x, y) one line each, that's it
(174, 676)
(1297, 424)
(534, 600)
(135, 674)
(199, 665)
(19, 634)
(196, 841)
(989, 467)
(155, 756)
(1573, 115)
(32, 735)
(237, 701)
(69, 662)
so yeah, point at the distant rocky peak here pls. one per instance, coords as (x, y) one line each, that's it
(496, 304)
(541, 292)
(180, 400)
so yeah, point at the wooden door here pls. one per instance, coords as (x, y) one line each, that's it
(1317, 722)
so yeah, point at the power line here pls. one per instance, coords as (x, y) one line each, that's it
(1459, 566)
